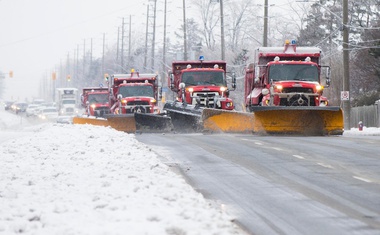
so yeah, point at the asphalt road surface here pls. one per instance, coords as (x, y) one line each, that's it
(282, 184)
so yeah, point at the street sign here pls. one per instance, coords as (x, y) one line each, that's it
(344, 95)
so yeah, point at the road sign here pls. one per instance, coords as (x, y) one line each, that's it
(344, 95)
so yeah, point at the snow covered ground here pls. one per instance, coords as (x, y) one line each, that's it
(82, 179)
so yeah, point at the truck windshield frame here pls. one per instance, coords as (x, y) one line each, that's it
(194, 78)
(98, 98)
(136, 91)
(293, 72)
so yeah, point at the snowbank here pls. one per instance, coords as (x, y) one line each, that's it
(82, 179)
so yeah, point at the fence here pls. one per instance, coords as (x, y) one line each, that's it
(369, 115)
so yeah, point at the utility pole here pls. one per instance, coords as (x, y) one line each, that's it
(129, 40)
(122, 47)
(346, 68)
(146, 38)
(265, 33)
(184, 32)
(164, 47)
(104, 46)
(222, 29)
(118, 42)
(154, 33)
(84, 57)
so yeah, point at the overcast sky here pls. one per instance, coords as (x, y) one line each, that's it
(37, 35)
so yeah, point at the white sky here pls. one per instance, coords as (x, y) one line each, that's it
(38, 34)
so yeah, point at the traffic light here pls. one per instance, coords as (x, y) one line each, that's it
(11, 74)
(68, 78)
(54, 76)
(106, 76)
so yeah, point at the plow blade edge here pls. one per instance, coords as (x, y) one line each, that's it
(124, 123)
(276, 120)
(129, 123)
(184, 118)
(218, 120)
(299, 120)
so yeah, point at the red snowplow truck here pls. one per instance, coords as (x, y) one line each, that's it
(132, 104)
(199, 86)
(134, 93)
(283, 95)
(202, 83)
(95, 101)
(284, 90)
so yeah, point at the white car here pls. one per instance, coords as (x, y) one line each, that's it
(31, 109)
(48, 114)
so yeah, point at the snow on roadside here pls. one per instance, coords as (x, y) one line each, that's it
(82, 179)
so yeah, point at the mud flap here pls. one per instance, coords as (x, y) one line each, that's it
(218, 120)
(184, 118)
(299, 120)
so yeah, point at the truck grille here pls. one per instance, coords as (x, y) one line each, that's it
(138, 108)
(100, 111)
(205, 97)
(69, 110)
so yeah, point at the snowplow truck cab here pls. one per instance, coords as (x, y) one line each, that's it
(134, 93)
(95, 101)
(284, 90)
(285, 76)
(201, 83)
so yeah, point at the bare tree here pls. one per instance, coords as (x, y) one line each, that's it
(210, 18)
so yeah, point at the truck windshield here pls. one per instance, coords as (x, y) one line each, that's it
(287, 72)
(133, 91)
(204, 78)
(98, 98)
(68, 101)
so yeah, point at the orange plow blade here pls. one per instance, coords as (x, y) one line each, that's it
(217, 120)
(299, 120)
(276, 120)
(124, 123)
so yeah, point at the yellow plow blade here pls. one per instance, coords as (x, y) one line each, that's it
(217, 120)
(124, 123)
(276, 120)
(299, 120)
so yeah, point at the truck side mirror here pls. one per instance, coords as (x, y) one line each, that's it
(233, 80)
(171, 85)
(328, 81)
(160, 93)
(257, 74)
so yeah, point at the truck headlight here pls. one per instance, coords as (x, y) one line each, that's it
(319, 88)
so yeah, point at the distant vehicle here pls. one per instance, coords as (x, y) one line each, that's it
(48, 114)
(65, 119)
(8, 105)
(38, 101)
(31, 109)
(20, 107)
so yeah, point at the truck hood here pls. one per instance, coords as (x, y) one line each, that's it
(296, 83)
(205, 88)
(138, 98)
